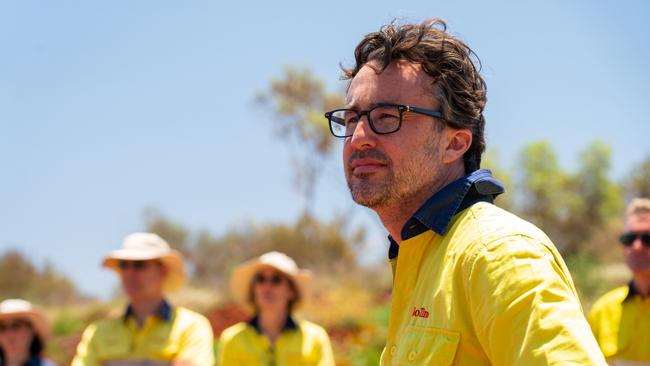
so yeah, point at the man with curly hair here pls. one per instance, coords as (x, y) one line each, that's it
(473, 284)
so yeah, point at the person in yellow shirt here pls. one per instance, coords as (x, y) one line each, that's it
(620, 319)
(273, 286)
(473, 284)
(151, 331)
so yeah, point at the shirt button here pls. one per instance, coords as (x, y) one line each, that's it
(412, 356)
(392, 350)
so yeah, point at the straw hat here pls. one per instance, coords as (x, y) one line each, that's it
(21, 309)
(148, 246)
(242, 277)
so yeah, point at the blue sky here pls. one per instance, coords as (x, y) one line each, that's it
(110, 107)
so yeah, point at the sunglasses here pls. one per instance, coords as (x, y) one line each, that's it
(13, 326)
(275, 279)
(136, 265)
(628, 239)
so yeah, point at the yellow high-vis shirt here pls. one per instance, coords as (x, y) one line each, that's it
(182, 335)
(302, 344)
(493, 290)
(620, 320)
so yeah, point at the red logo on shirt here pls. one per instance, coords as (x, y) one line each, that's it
(420, 313)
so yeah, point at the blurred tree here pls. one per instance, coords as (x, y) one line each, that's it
(638, 182)
(19, 278)
(570, 208)
(216, 256)
(600, 199)
(545, 197)
(175, 234)
(321, 246)
(506, 200)
(16, 274)
(298, 100)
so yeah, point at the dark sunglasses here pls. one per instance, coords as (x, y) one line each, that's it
(275, 279)
(628, 239)
(136, 265)
(13, 325)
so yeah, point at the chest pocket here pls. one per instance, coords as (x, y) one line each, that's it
(426, 346)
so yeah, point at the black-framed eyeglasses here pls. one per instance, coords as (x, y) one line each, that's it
(383, 118)
(275, 279)
(628, 239)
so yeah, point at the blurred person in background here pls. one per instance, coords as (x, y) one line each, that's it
(472, 283)
(620, 319)
(151, 331)
(23, 331)
(273, 286)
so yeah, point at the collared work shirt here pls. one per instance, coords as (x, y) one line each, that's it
(183, 335)
(303, 344)
(482, 287)
(620, 320)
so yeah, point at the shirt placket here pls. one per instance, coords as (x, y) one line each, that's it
(406, 275)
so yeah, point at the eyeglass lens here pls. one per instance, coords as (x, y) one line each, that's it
(383, 119)
(274, 279)
(132, 264)
(13, 325)
(628, 239)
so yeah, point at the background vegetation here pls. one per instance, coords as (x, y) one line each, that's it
(579, 208)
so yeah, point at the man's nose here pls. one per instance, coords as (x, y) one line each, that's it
(637, 244)
(363, 135)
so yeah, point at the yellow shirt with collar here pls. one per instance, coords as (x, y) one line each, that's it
(621, 324)
(307, 345)
(186, 336)
(492, 291)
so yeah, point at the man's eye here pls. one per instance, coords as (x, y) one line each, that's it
(351, 119)
(387, 117)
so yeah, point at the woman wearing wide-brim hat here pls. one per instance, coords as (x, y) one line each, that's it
(272, 287)
(23, 332)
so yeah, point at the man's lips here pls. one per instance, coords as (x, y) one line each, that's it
(364, 166)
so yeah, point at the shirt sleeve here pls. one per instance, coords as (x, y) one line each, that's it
(594, 322)
(197, 344)
(224, 350)
(86, 355)
(327, 355)
(525, 307)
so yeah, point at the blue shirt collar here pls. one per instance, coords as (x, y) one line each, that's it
(290, 324)
(164, 312)
(436, 213)
(34, 361)
(631, 292)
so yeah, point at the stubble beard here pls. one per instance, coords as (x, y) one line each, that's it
(640, 264)
(377, 193)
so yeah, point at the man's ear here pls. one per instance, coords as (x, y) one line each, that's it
(458, 142)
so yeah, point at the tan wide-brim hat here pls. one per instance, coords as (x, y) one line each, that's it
(148, 246)
(21, 309)
(242, 277)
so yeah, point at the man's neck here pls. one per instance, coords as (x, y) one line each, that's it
(272, 322)
(395, 215)
(145, 307)
(642, 284)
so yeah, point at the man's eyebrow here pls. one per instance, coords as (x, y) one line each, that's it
(373, 105)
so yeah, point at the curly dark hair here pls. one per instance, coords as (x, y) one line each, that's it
(454, 67)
